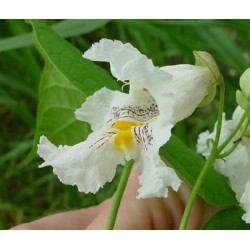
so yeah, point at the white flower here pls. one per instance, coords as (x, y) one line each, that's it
(236, 166)
(129, 126)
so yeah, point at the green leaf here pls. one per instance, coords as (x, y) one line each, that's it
(58, 99)
(66, 81)
(82, 73)
(188, 164)
(66, 28)
(227, 219)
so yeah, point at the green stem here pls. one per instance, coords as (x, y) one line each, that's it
(118, 195)
(235, 143)
(208, 163)
(194, 192)
(236, 129)
(220, 114)
(230, 151)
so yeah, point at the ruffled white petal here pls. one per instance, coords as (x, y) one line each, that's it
(96, 110)
(161, 133)
(160, 86)
(204, 147)
(190, 85)
(128, 64)
(236, 168)
(245, 202)
(156, 177)
(122, 58)
(88, 165)
(236, 116)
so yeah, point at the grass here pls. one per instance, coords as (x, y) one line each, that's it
(27, 192)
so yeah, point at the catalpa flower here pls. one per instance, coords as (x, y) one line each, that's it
(130, 126)
(234, 166)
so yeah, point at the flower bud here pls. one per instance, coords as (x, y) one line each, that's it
(211, 92)
(247, 132)
(204, 59)
(245, 83)
(241, 99)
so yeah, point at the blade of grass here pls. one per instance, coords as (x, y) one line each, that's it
(66, 28)
(17, 107)
(9, 82)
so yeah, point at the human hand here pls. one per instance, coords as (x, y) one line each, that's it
(154, 213)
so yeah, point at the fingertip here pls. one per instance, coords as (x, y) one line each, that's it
(25, 226)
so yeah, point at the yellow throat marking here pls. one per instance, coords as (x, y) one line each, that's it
(123, 140)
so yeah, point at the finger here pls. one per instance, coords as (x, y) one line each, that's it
(73, 220)
(200, 211)
(78, 219)
(132, 214)
(135, 213)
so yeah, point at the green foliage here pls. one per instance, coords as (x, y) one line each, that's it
(189, 164)
(227, 219)
(40, 99)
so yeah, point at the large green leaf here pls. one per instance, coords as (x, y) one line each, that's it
(58, 99)
(188, 164)
(227, 219)
(66, 81)
(82, 73)
(66, 28)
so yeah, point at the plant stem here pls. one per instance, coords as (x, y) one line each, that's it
(194, 192)
(212, 157)
(236, 129)
(118, 195)
(235, 143)
(220, 114)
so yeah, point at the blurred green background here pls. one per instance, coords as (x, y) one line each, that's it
(26, 192)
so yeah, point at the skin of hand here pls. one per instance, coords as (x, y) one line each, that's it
(134, 214)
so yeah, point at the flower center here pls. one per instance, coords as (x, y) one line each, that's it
(123, 140)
